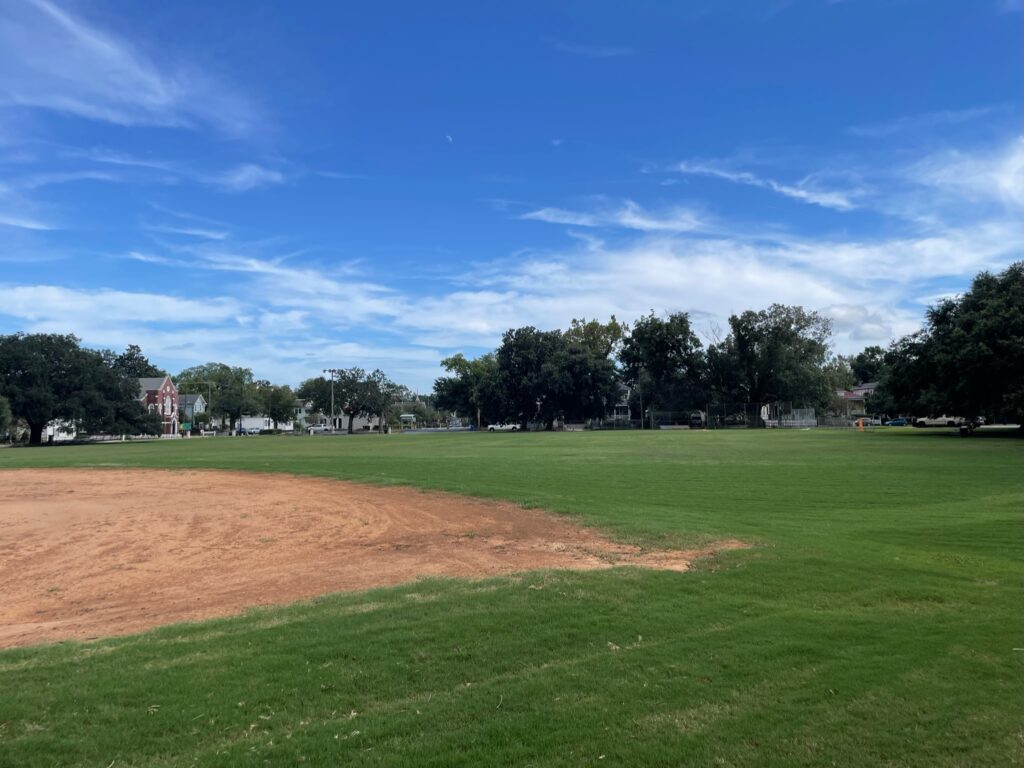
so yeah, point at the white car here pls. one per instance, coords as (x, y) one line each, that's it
(939, 421)
(503, 427)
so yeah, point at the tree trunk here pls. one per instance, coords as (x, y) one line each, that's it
(35, 434)
(351, 417)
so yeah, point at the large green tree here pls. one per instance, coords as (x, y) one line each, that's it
(231, 390)
(968, 361)
(132, 363)
(316, 390)
(546, 375)
(48, 377)
(588, 377)
(352, 396)
(356, 393)
(280, 402)
(532, 384)
(472, 387)
(602, 339)
(664, 362)
(867, 365)
(6, 417)
(379, 393)
(779, 354)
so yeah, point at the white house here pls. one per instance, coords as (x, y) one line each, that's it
(191, 405)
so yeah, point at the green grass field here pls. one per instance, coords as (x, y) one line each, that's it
(877, 621)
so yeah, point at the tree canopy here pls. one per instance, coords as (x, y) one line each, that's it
(132, 363)
(663, 358)
(231, 391)
(777, 354)
(276, 402)
(472, 388)
(47, 377)
(968, 360)
(6, 417)
(356, 393)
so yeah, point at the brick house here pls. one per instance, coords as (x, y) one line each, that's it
(159, 395)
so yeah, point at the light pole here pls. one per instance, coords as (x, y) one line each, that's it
(332, 371)
(209, 401)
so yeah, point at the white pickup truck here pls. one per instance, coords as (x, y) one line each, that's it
(502, 427)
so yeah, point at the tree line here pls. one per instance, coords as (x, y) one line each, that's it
(967, 361)
(356, 393)
(50, 377)
(47, 377)
(781, 353)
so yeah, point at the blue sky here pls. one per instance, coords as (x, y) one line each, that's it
(294, 186)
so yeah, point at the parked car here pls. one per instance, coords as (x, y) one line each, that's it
(900, 422)
(503, 427)
(939, 421)
(318, 429)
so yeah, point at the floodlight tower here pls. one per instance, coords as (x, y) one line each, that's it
(334, 420)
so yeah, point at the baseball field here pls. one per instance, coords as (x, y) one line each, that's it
(720, 598)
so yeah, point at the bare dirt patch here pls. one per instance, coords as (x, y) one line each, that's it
(91, 553)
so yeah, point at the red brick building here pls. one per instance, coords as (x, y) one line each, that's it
(159, 395)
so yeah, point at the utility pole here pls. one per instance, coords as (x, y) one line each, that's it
(334, 421)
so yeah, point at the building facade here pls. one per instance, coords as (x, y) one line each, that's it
(159, 395)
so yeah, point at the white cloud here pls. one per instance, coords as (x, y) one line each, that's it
(922, 122)
(996, 175)
(119, 158)
(190, 231)
(562, 216)
(245, 177)
(804, 190)
(628, 215)
(23, 222)
(51, 59)
(55, 305)
(38, 180)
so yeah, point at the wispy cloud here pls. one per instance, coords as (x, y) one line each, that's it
(37, 180)
(924, 121)
(56, 305)
(628, 215)
(247, 176)
(591, 51)
(119, 158)
(803, 190)
(51, 59)
(995, 175)
(23, 222)
(170, 229)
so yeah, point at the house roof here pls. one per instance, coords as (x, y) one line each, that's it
(866, 388)
(846, 394)
(151, 382)
(190, 399)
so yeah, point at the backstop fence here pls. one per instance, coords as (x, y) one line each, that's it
(776, 415)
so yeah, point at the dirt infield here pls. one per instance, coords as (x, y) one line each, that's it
(90, 553)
